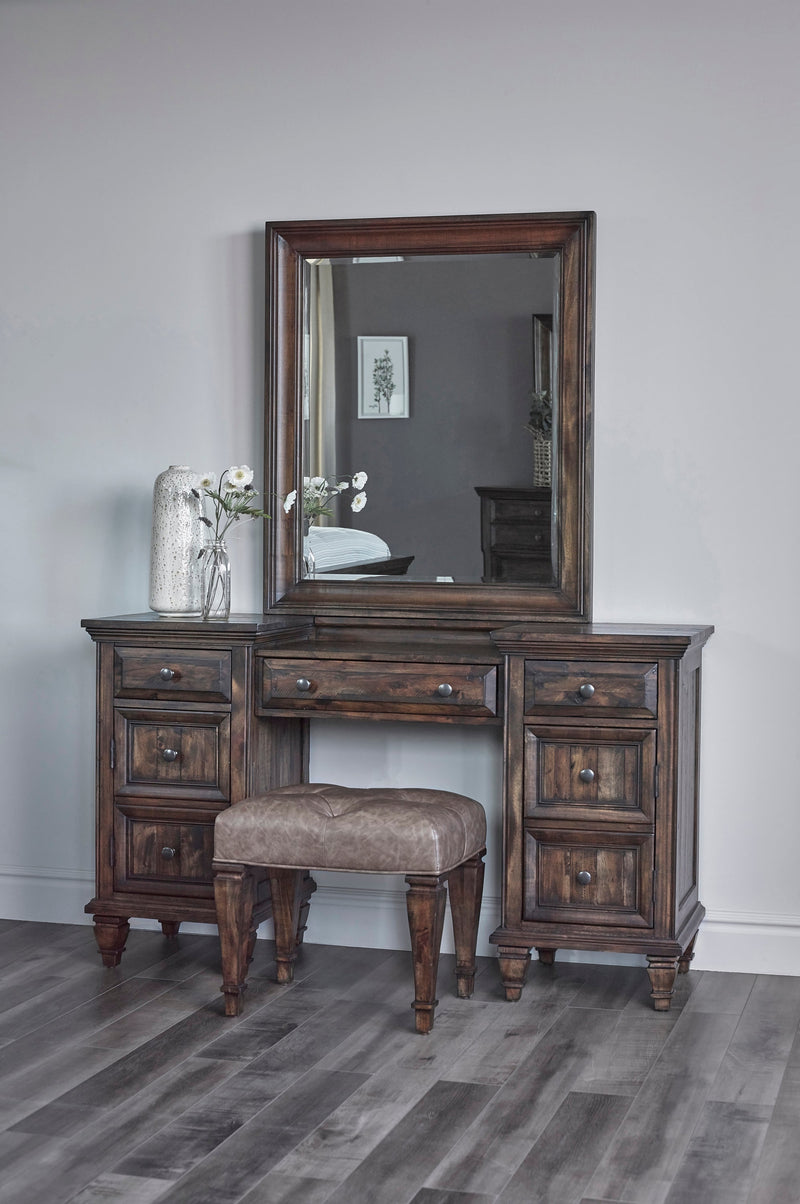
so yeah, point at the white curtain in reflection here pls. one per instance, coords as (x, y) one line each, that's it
(321, 375)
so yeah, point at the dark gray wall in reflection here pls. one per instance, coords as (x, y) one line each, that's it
(469, 325)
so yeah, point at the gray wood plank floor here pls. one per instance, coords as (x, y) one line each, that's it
(131, 1085)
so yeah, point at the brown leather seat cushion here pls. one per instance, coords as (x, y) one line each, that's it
(378, 831)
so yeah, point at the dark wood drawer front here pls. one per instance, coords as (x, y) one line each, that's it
(185, 756)
(589, 878)
(605, 774)
(396, 688)
(154, 856)
(584, 686)
(201, 675)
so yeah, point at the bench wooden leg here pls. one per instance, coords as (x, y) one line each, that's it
(233, 896)
(425, 902)
(287, 890)
(466, 892)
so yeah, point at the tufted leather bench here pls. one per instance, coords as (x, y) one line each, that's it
(433, 837)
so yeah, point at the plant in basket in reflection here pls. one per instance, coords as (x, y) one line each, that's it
(233, 498)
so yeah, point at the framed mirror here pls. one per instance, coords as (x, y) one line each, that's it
(448, 360)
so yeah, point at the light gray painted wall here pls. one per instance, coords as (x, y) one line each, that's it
(143, 147)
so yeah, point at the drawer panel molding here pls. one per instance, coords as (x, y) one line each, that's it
(199, 674)
(577, 687)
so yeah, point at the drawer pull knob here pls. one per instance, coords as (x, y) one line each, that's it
(167, 853)
(444, 690)
(169, 754)
(167, 674)
(586, 690)
(586, 775)
(584, 877)
(303, 684)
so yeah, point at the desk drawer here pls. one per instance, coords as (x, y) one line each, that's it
(199, 675)
(172, 755)
(584, 877)
(575, 687)
(157, 856)
(595, 774)
(390, 687)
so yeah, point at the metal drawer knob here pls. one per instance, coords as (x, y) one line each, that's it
(584, 877)
(586, 775)
(303, 684)
(167, 853)
(586, 690)
(444, 690)
(167, 674)
(169, 754)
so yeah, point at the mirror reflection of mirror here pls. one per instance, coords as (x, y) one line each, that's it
(460, 462)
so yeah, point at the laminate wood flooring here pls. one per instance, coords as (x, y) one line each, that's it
(130, 1085)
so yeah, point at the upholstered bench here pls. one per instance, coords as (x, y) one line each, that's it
(433, 837)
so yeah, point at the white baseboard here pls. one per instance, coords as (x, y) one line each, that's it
(735, 942)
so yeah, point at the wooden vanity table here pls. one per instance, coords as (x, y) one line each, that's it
(600, 722)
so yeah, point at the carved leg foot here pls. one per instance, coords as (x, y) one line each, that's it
(233, 895)
(170, 927)
(111, 933)
(286, 888)
(546, 956)
(425, 903)
(514, 964)
(685, 958)
(466, 892)
(662, 971)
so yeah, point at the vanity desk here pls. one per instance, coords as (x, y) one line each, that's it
(601, 740)
(600, 722)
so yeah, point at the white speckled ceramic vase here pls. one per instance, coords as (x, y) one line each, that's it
(176, 572)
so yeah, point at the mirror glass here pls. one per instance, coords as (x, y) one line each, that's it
(433, 375)
(449, 360)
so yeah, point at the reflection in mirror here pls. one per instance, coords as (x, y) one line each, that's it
(453, 356)
(450, 359)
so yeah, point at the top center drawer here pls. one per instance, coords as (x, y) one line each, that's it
(377, 687)
(572, 687)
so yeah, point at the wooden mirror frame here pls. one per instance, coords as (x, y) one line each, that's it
(289, 244)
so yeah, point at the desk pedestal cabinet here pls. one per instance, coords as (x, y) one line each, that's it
(601, 754)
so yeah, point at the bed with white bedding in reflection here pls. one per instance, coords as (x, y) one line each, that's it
(343, 550)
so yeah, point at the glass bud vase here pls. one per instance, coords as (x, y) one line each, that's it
(216, 581)
(309, 562)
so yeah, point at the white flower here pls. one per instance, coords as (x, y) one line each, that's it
(207, 480)
(340, 488)
(358, 502)
(238, 476)
(289, 501)
(360, 480)
(317, 483)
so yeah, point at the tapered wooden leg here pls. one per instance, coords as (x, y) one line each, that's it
(170, 927)
(425, 902)
(662, 971)
(233, 895)
(514, 964)
(546, 956)
(685, 959)
(286, 888)
(309, 886)
(111, 933)
(465, 885)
